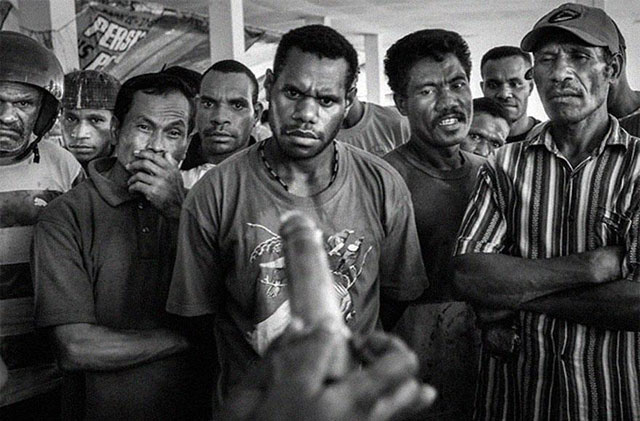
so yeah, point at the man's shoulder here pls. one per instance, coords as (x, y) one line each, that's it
(59, 158)
(73, 202)
(381, 111)
(233, 171)
(473, 160)
(366, 163)
(398, 157)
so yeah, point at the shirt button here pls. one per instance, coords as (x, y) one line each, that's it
(140, 206)
(145, 230)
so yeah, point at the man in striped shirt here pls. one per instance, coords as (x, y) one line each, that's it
(32, 174)
(551, 233)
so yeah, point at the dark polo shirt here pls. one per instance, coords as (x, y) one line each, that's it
(105, 256)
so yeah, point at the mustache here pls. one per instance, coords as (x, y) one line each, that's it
(299, 132)
(452, 113)
(210, 131)
(564, 89)
(508, 102)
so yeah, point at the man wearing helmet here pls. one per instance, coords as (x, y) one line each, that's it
(31, 175)
(87, 114)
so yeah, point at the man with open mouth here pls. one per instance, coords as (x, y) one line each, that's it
(429, 74)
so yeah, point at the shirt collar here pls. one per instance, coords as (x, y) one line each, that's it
(110, 179)
(614, 137)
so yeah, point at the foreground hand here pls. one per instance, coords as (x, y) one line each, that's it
(294, 381)
(157, 177)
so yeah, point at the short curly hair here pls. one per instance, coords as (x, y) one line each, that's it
(323, 41)
(427, 43)
(504, 51)
(491, 107)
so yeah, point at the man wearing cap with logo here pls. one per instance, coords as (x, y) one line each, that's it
(31, 175)
(551, 234)
(89, 98)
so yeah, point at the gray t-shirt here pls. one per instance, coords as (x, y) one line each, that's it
(379, 131)
(230, 261)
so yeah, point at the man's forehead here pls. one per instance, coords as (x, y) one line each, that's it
(510, 65)
(216, 81)
(172, 104)
(87, 111)
(301, 64)
(430, 67)
(17, 88)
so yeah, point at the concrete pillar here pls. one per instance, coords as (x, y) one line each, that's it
(373, 67)
(59, 17)
(226, 30)
(594, 3)
(317, 20)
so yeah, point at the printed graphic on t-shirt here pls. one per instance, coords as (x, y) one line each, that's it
(347, 254)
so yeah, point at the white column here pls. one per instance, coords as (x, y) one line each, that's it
(59, 17)
(594, 3)
(226, 30)
(373, 67)
(317, 20)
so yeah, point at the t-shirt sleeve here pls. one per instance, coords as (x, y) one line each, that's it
(402, 273)
(483, 228)
(62, 287)
(195, 274)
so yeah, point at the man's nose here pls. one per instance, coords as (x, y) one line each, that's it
(8, 114)
(306, 110)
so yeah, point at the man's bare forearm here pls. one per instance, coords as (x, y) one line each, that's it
(614, 305)
(500, 281)
(84, 346)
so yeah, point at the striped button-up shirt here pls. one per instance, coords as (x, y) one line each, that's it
(530, 202)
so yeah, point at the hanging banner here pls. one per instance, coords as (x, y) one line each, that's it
(5, 8)
(105, 33)
(125, 37)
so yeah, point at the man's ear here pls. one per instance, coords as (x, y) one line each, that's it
(401, 103)
(350, 96)
(258, 109)
(614, 67)
(269, 80)
(114, 129)
(482, 86)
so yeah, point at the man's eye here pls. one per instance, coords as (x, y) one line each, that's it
(475, 137)
(96, 120)
(23, 104)
(239, 106)
(426, 92)
(292, 93)
(175, 133)
(144, 127)
(70, 118)
(206, 104)
(326, 102)
(492, 85)
(458, 85)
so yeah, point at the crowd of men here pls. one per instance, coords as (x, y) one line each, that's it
(143, 275)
